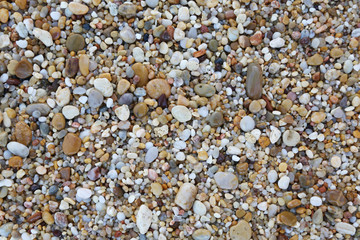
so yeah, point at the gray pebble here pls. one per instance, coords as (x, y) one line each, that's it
(95, 98)
(126, 98)
(151, 154)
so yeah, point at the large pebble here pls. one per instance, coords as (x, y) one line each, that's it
(123, 112)
(4, 41)
(83, 194)
(140, 109)
(143, 219)
(44, 36)
(201, 234)
(315, 60)
(183, 14)
(241, 231)
(287, 218)
(284, 182)
(226, 180)
(18, 149)
(61, 219)
(336, 197)
(216, 119)
(204, 90)
(247, 124)
(58, 121)
(291, 138)
(199, 208)
(84, 63)
(151, 154)
(63, 96)
(71, 67)
(181, 113)
(95, 98)
(71, 144)
(345, 228)
(104, 86)
(277, 43)
(254, 81)
(186, 196)
(23, 133)
(23, 69)
(78, 8)
(43, 108)
(142, 72)
(75, 42)
(122, 86)
(156, 87)
(70, 111)
(5, 229)
(127, 34)
(127, 9)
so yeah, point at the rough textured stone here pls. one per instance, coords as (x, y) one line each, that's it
(241, 231)
(23, 133)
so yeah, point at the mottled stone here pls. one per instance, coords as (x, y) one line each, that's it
(23, 69)
(241, 231)
(23, 133)
(336, 197)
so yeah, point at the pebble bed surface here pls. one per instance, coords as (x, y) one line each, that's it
(179, 119)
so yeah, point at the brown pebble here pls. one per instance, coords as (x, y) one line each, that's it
(71, 144)
(15, 161)
(140, 109)
(48, 218)
(65, 173)
(58, 121)
(33, 218)
(141, 71)
(23, 133)
(71, 67)
(23, 69)
(287, 218)
(4, 15)
(336, 197)
(156, 87)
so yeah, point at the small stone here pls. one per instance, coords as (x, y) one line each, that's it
(336, 53)
(233, 34)
(84, 63)
(152, 3)
(48, 218)
(247, 124)
(15, 162)
(43, 108)
(58, 121)
(318, 217)
(348, 66)
(306, 181)
(5, 229)
(345, 228)
(127, 34)
(156, 189)
(3, 138)
(213, 45)
(44, 36)
(291, 138)
(78, 8)
(71, 67)
(123, 112)
(94, 174)
(199, 208)
(335, 161)
(318, 117)
(316, 201)
(104, 86)
(18, 149)
(142, 72)
(63, 96)
(127, 10)
(336, 197)
(71, 144)
(272, 176)
(181, 113)
(226, 180)
(75, 42)
(65, 173)
(186, 196)
(216, 119)
(122, 86)
(255, 106)
(283, 182)
(204, 90)
(183, 14)
(287, 218)
(140, 110)
(4, 15)
(143, 219)
(138, 54)
(23, 69)
(83, 194)
(70, 111)
(254, 81)
(151, 154)
(315, 60)
(23, 133)
(95, 98)
(4, 41)
(256, 39)
(201, 234)
(293, 203)
(61, 219)
(241, 231)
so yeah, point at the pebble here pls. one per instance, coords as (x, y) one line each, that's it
(213, 45)
(44, 36)
(233, 34)
(316, 201)
(83, 194)
(104, 86)
(287, 218)
(241, 231)
(4, 41)
(60, 219)
(143, 219)
(152, 3)
(254, 81)
(283, 182)
(348, 66)
(84, 63)
(141, 71)
(127, 9)
(95, 98)
(272, 176)
(138, 54)
(122, 86)
(71, 67)
(186, 196)
(335, 161)
(151, 154)
(291, 138)
(184, 14)
(277, 43)
(140, 110)
(226, 180)
(18, 149)
(4, 15)
(127, 34)
(70, 112)
(345, 228)
(318, 117)
(199, 208)
(123, 112)
(23, 133)
(336, 52)
(181, 113)
(318, 217)
(15, 161)
(71, 144)
(23, 69)
(78, 8)
(201, 234)
(5, 229)
(255, 106)
(43, 108)
(315, 60)
(58, 121)
(247, 124)
(336, 197)
(216, 119)
(204, 90)
(75, 42)
(63, 96)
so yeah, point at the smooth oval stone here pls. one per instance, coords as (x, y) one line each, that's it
(181, 113)
(70, 111)
(84, 63)
(156, 87)
(61, 219)
(201, 234)
(18, 149)
(43, 108)
(95, 98)
(71, 144)
(71, 67)
(213, 45)
(6, 229)
(287, 218)
(58, 121)
(122, 86)
(140, 109)
(78, 8)
(23, 69)
(143, 219)
(151, 154)
(23, 133)
(186, 196)
(204, 90)
(127, 34)
(142, 72)
(75, 42)
(104, 86)
(126, 98)
(241, 231)
(226, 180)
(345, 228)
(216, 119)
(254, 81)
